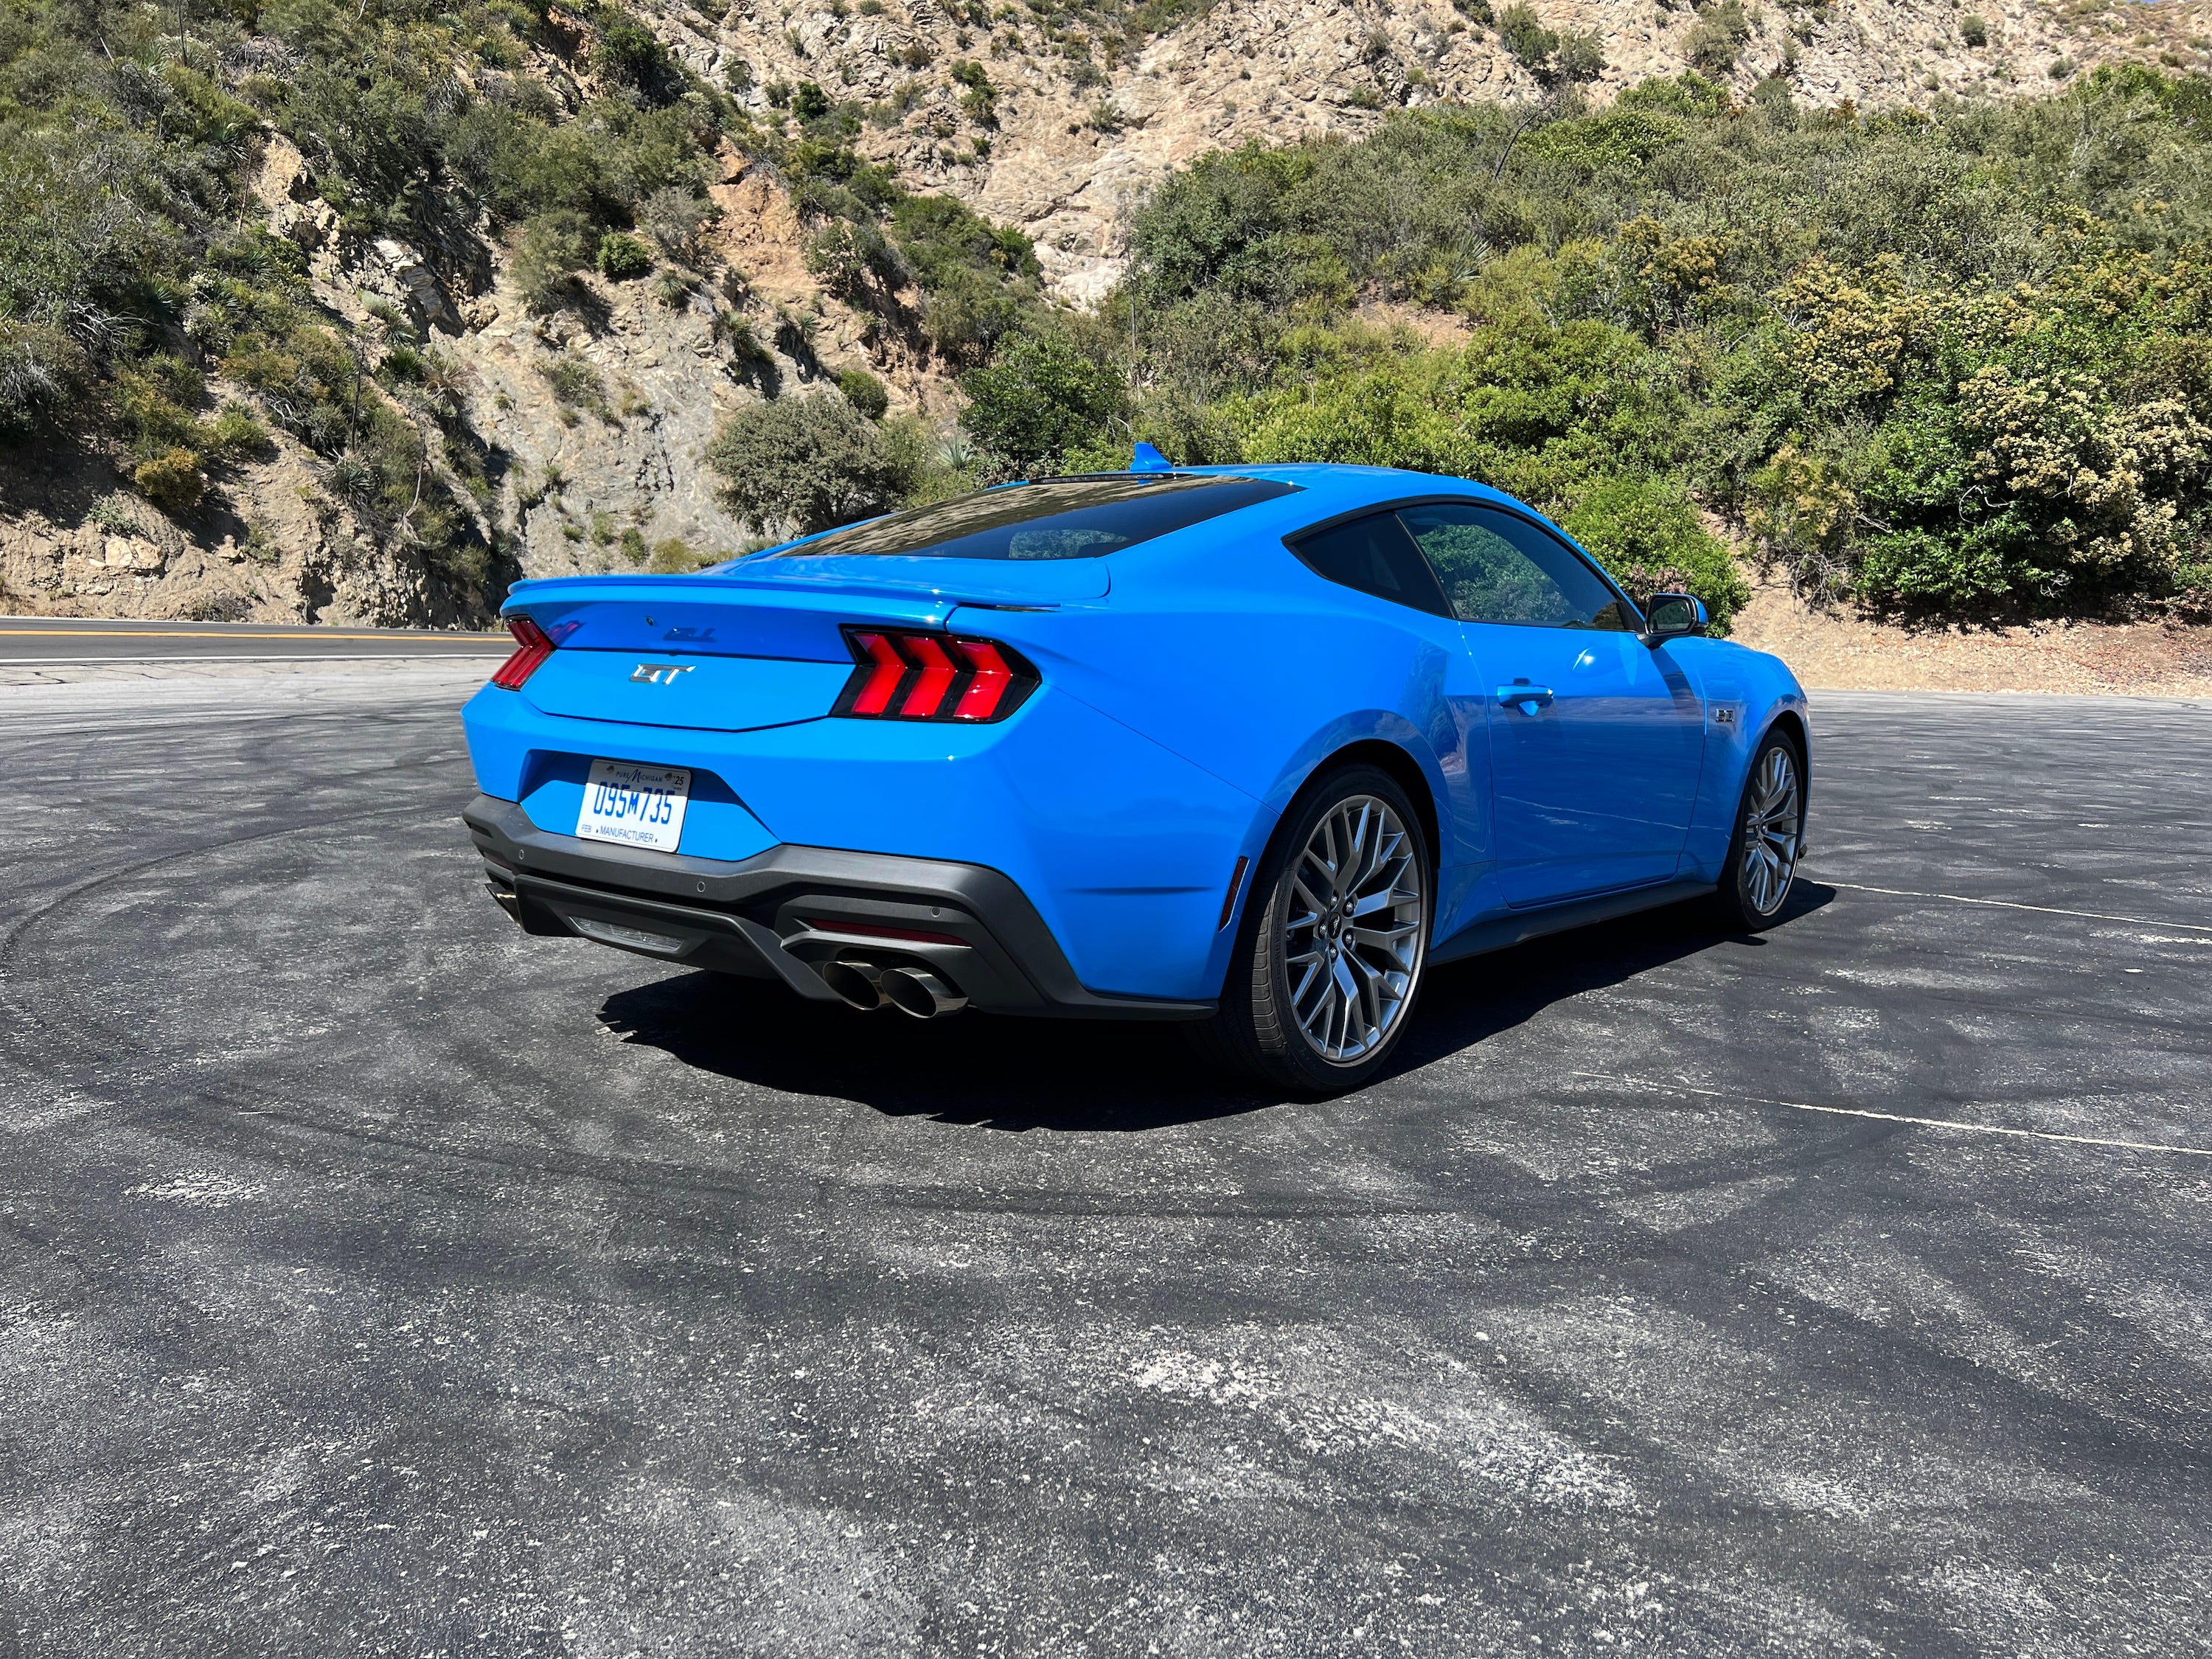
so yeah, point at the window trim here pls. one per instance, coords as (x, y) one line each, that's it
(1515, 511)
(1321, 527)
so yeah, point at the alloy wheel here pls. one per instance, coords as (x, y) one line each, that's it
(1352, 928)
(1769, 859)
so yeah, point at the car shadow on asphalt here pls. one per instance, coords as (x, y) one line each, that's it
(1467, 1002)
(1098, 1076)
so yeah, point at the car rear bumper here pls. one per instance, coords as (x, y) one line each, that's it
(782, 914)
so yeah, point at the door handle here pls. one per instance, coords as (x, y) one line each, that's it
(1527, 697)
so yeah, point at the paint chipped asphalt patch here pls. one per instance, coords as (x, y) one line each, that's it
(378, 1279)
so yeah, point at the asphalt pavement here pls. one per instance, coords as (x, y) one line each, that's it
(375, 1278)
(26, 642)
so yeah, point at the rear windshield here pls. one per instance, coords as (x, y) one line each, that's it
(1054, 519)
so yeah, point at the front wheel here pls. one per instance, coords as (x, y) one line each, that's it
(1329, 954)
(1770, 826)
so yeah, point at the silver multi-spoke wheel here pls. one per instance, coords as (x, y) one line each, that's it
(1352, 928)
(1771, 816)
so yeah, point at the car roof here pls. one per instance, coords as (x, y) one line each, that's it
(1328, 487)
(1342, 485)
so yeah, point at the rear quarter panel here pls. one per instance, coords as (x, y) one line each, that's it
(1219, 644)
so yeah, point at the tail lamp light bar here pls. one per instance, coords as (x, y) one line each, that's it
(902, 675)
(531, 648)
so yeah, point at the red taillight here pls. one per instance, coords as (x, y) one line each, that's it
(885, 669)
(926, 695)
(531, 647)
(911, 676)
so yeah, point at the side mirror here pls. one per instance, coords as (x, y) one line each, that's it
(1673, 617)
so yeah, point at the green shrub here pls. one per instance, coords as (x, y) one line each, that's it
(576, 383)
(979, 98)
(1041, 399)
(676, 557)
(808, 462)
(1647, 532)
(623, 258)
(172, 480)
(233, 433)
(845, 255)
(1718, 37)
(553, 247)
(632, 56)
(673, 216)
(864, 391)
(1974, 31)
(1554, 59)
(43, 378)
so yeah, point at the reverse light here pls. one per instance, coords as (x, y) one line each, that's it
(531, 647)
(905, 675)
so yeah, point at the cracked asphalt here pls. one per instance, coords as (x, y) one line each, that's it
(376, 1279)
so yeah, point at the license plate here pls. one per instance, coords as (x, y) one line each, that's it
(636, 806)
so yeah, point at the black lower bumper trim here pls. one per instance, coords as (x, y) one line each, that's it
(782, 912)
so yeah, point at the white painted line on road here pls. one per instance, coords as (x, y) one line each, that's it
(2007, 904)
(1899, 1118)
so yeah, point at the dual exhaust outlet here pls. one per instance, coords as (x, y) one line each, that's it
(868, 986)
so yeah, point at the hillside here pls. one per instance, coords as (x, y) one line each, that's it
(357, 313)
(1093, 103)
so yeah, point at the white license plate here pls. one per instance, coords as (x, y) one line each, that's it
(636, 806)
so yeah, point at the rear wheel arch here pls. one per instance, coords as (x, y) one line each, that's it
(1260, 1028)
(1379, 752)
(1388, 757)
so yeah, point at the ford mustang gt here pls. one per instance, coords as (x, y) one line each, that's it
(1250, 748)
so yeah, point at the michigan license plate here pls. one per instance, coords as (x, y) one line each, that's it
(636, 806)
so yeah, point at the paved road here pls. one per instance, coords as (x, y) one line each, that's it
(377, 1279)
(44, 641)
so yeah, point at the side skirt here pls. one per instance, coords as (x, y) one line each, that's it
(1501, 932)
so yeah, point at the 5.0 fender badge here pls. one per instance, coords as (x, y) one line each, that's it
(658, 673)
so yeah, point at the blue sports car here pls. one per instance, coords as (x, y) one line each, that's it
(1245, 747)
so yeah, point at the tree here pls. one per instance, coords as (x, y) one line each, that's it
(1041, 399)
(811, 462)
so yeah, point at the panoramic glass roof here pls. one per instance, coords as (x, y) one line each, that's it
(1052, 519)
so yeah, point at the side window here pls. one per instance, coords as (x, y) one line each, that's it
(1375, 555)
(1498, 567)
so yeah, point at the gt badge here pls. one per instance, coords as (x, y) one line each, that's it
(658, 673)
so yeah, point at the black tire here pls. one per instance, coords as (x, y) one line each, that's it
(1770, 834)
(1262, 1029)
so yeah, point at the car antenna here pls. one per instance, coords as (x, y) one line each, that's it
(1149, 459)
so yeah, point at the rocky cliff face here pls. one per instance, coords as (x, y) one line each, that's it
(1077, 142)
(591, 423)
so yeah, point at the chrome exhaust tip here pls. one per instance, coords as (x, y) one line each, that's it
(918, 992)
(859, 984)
